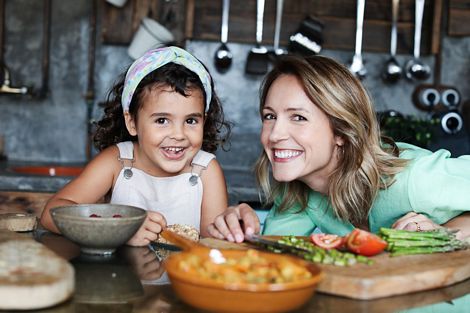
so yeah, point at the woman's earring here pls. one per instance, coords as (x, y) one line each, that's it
(341, 150)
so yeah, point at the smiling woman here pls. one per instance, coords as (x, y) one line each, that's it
(298, 139)
(332, 169)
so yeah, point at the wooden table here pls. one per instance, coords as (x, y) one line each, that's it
(136, 288)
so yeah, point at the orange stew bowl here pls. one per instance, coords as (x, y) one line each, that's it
(214, 294)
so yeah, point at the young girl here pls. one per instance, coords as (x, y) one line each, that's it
(333, 171)
(161, 123)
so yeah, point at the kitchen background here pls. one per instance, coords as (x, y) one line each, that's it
(68, 54)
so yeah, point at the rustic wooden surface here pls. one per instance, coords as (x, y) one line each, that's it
(120, 24)
(459, 15)
(388, 276)
(201, 20)
(338, 17)
(23, 202)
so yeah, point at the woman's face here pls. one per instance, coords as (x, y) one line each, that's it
(170, 129)
(297, 136)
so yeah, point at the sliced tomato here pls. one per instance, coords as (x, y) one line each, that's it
(327, 241)
(365, 243)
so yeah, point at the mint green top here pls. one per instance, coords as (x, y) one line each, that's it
(433, 184)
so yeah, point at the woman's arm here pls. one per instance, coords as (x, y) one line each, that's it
(419, 222)
(92, 185)
(214, 199)
(460, 223)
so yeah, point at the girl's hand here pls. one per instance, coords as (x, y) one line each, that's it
(148, 232)
(415, 222)
(228, 224)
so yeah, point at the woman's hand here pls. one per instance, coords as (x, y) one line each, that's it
(228, 225)
(144, 262)
(153, 225)
(415, 222)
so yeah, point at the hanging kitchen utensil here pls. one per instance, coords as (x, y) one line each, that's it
(308, 38)
(169, 19)
(392, 72)
(357, 65)
(4, 71)
(223, 57)
(277, 29)
(415, 68)
(442, 101)
(257, 60)
(426, 97)
(451, 122)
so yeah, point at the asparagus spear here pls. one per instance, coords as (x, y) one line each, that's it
(403, 242)
(420, 250)
(319, 255)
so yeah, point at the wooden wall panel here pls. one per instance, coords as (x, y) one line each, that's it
(201, 19)
(459, 17)
(338, 16)
(120, 24)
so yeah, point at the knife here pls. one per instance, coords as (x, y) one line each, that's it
(160, 245)
(272, 245)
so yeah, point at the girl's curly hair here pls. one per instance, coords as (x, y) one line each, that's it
(111, 129)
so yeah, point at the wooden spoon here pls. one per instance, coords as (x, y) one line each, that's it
(188, 245)
(181, 241)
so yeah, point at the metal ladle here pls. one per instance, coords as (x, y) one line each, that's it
(393, 71)
(357, 66)
(415, 68)
(223, 57)
(277, 28)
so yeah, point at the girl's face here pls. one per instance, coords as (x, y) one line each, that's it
(297, 136)
(170, 128)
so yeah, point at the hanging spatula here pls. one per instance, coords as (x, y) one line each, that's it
(257, 61)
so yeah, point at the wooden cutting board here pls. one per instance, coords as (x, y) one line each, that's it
(31, 275)
(388, 276)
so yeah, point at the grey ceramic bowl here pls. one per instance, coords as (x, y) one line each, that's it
(98, 235)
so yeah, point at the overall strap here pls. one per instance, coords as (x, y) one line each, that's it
(126, 150)
(126, 157)
(200, 162)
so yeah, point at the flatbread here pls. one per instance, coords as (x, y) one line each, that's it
(32, 276)
(18, 221)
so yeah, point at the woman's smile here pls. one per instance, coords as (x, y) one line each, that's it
(285, 155)
(297, 135)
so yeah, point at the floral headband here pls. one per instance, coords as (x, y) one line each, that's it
(156, 58)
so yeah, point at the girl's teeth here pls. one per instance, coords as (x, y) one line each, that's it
(174, 149)
(286, 154)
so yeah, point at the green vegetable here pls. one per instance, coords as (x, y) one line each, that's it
(404, 242)
(320, 255)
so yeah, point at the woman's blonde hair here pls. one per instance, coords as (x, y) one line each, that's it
(365, 164)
